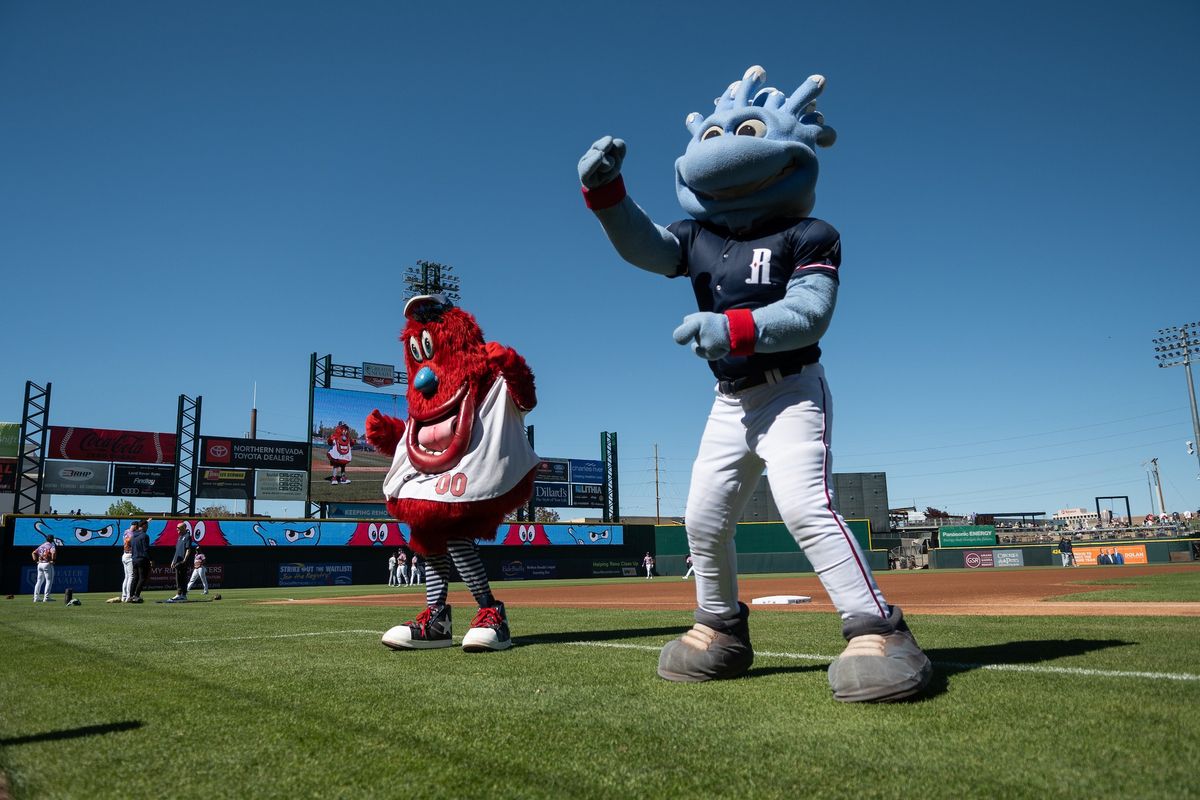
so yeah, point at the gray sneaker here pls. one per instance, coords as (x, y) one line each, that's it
(714, 649)
(881, 663)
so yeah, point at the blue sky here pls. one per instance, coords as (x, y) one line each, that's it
(186, 188)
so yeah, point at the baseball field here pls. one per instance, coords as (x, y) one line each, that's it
(1048, 683)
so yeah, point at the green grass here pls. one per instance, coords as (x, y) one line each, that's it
(1167, 587)
(111, 701)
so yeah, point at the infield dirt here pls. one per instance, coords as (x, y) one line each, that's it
(1022, 592)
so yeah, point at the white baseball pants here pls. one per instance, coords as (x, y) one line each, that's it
(199, 574)
(45, 580)
(784, 426)
(127, 584)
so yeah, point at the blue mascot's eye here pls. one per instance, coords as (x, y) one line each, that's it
(752, 127)
(712, 132)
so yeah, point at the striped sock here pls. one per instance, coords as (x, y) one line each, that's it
(437, 580)
(466, 558)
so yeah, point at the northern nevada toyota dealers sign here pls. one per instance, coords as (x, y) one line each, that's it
(253, 453)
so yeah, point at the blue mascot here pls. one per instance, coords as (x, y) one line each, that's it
(765, 276)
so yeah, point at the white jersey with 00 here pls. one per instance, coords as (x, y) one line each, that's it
(497, 458)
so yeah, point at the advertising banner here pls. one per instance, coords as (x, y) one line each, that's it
(551, 495)
(338, 412)
(378, 375)
(975, 559)
(275, 484)
(10, 435)
(73, 578)
(232, 484)
(554, 470)
(163, 577)
(966, 536)
(101, 444)
(143, 480)
(614, 568)
(302, 574)
(8, 474)
(216, 451)
(587, 471)
(75, 477)
(1110, 556)
(227, 532)
(1009, 558)
(357, 511)
(523, 569)
(587, 495)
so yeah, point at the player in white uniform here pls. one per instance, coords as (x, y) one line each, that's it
(127, 561)
(44, 556)
(691, 567)
(648, 563)
(199, 570)
(401, 568)
(392, 578)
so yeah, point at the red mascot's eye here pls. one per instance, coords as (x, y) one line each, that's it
(427, 343)
(414, 349)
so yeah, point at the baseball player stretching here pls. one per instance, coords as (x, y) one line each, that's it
(765, 277)
(44, 556)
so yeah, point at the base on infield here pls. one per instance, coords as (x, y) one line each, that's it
(781, 600)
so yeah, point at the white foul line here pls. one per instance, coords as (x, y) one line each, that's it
(950, 665)
(270, 636)
(953, 665)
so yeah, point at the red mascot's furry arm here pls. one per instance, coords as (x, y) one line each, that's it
(448, 344)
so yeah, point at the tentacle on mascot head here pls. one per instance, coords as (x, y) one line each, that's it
(461, 460)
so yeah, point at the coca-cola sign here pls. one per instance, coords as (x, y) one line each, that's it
(100, 444)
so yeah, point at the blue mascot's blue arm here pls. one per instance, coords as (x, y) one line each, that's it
(636, 237)
(798, 320)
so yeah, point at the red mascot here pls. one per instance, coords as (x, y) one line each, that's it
(460, 464)
(341, 443)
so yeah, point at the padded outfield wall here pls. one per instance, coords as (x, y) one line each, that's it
(761, 547)
(270, 552)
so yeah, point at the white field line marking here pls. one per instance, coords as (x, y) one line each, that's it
(272, 636)
(954, 665)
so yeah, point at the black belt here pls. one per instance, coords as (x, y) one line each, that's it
(757, 379)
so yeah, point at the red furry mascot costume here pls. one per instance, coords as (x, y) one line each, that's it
(459, 465)
(341, 443)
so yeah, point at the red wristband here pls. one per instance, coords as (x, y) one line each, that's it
(605, 196)
(741, 331)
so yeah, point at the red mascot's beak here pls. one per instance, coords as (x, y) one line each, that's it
(438, 439)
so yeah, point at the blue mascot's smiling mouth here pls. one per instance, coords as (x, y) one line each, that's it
(743, 189)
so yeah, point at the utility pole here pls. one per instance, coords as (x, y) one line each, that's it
(657, 512)
(1175, 347)
(253, 435)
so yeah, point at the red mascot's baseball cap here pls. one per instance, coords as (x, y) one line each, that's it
(414, 304)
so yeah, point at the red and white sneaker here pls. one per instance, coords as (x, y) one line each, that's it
(488, 631)
(430, 629)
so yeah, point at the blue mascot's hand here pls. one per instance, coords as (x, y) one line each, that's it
(602, 163)
(707, 333)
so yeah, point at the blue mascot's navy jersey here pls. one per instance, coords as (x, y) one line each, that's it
(750, 270)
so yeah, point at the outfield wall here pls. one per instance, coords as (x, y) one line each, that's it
(1168, 551)
(252, 553)
(761, 547)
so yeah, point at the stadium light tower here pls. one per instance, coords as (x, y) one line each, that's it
(430, 277)
(1175, 347)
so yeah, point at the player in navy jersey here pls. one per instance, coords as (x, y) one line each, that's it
(765, 277)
